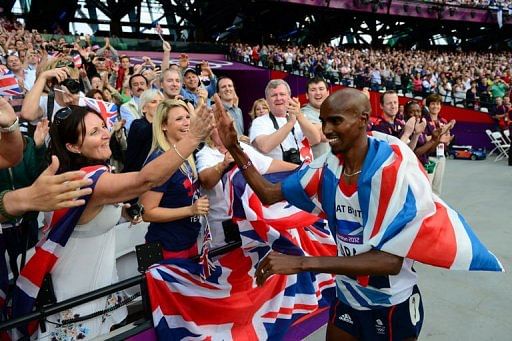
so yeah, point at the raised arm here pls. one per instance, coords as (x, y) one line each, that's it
(114, 188)
(30, 110)
(11, 142)
(268, 192)
(48, 193)
(166, 57)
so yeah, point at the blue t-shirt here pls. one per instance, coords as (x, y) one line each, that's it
(178, 191)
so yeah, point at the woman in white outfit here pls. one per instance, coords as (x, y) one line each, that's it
(80, 139)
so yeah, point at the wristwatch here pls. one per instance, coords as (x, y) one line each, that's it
(11, 128)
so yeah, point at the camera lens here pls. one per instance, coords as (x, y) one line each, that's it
(72, 85)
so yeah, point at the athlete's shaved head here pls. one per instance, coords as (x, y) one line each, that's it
(348, 100)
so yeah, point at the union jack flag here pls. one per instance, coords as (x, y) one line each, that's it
(107, 110)
(182, 302)
(400, 214)
(204, 260)
(9, 84)
(47, 253)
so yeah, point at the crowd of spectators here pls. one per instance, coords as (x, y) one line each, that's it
(474, 3)
(470, 79)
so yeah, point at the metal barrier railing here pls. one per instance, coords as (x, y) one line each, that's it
(46, 311)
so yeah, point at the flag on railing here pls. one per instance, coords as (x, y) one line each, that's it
(182, 303)
(9, 84)
(107, 110)
(47, 253)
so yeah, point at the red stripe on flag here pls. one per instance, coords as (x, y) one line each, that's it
(312, 186)
(35, 271)
(387, 186)
(436, 235)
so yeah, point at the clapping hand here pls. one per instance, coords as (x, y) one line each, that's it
(224, 122)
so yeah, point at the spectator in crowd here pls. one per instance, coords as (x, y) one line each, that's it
(170, 82)
(193, 89)
(499, 114)
(423, 146)
(280, 133)
(472, 96)
(62, 77)
(317, 91)
(22, 233)
(26, 76)
(130, 110)
(47, 192)
(435, 121)
(141, 132)
(388, 123)
(499, 88)
(79, 137)
(227, 94)
(259, 108)
(124, 72)
(174, 208)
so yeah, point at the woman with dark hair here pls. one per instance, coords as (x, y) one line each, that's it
(80, 139)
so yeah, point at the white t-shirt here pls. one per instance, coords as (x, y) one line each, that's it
(208, 157)
(263, 125)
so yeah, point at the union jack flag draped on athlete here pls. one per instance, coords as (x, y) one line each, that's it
(107, 110)
(9, 85)
(400, 213)
(47, 253)
(182, 303)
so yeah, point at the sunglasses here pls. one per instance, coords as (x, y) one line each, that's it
(62, 114)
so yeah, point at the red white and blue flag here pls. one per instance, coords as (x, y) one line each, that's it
(400, 213)
(182, 303)
(107, 110)
(9, 84)
(77, 60)
(47, 253)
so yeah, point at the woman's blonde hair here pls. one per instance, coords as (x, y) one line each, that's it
(160, 140)
(257, 102)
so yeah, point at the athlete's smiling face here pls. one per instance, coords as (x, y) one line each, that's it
(344, 121)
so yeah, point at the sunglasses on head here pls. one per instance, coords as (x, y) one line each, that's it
(62, 114)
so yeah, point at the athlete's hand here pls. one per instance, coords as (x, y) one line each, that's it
(277, 263)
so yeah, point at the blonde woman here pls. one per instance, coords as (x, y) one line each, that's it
(259, 108)
(173, 209)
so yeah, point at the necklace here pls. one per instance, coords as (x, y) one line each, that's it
(351, 174)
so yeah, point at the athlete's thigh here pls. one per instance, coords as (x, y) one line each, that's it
(336, 334)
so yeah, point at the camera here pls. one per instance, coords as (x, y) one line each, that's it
(71, 84)
(292, 155)
(135, 210)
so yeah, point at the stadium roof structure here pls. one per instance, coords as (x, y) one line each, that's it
(407, 24)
